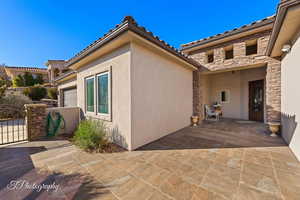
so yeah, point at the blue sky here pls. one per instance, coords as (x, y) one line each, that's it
(32, 31)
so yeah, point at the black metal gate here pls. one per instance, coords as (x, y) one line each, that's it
(12, 124)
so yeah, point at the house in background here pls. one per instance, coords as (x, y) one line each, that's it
(11, 72)
(285, 46)
(55, 68)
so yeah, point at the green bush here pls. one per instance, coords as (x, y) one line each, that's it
(13, 106)
(18, 81)
(52, 93)
(91, 135)
(4, 84)
(36, 92)
(2, 91)
(29, 80)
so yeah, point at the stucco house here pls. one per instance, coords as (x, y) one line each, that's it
(138, 84)
(146, 89)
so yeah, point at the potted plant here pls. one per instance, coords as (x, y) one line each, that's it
(195, 120)
(274, 128)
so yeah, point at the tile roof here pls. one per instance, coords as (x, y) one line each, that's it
(26, 68)
(129, 24)
(243, 28)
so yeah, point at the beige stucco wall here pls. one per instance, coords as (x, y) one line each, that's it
(151, 94)
(290, 98)
(71, 117)
(161, 92)
(237, 84)
(118, 63)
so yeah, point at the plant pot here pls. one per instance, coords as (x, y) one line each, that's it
(195, 120)
(274, 128)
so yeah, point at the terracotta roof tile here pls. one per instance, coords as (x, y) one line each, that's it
(270, 19)
(128, 23)
(26, 68)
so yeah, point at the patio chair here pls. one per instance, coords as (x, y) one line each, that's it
(210, 114)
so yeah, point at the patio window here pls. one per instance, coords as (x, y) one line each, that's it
(103, 93)
(89, 83)
(229, 52)
(251, 47)
(210, 57)
(224, 96)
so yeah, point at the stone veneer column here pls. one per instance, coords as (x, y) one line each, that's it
(273, 91)
(262, 44)
(35, 121)
(239, 49)
(196, 93)
(219, 55)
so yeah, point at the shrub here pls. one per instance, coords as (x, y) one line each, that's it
(52, 93)
(4, 83)
(2, 91)
(18, 81)
(13, 106)
(28, 79)
(91, 135)
(36, 92)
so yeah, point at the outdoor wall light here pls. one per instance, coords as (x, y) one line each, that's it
(286, 48)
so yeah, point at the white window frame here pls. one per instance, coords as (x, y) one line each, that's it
(228, 96)
(106, 116)
(95, 114)
(85, 94)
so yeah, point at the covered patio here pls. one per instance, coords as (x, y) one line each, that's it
(240, 93)
(225, 133)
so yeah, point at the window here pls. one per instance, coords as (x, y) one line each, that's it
(89, 83)
(224, 96)
(210, 57)
(251, 48)
(103, 93)
(229, 52)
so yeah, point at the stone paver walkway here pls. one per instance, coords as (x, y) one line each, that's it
(239, 173)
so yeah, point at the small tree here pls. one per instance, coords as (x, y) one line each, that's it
(36, 92)
(4, 83)
(52, 93)
(18, 81)
(28, 79)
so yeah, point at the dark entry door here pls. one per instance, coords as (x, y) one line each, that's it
(256, 100)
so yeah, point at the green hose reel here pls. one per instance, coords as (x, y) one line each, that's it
(55, 121)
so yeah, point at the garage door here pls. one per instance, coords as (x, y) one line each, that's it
(70, 97)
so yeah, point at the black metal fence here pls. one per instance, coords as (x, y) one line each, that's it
(12, 125)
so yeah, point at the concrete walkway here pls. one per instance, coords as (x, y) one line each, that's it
(194, 173)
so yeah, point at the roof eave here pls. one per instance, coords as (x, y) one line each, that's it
(64, 76)
(280, 16)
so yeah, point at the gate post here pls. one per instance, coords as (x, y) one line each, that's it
(35, 121)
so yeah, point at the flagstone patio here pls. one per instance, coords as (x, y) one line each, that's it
(217, 171)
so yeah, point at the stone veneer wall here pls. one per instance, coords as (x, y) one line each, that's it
(240, 60)
(35, 121)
